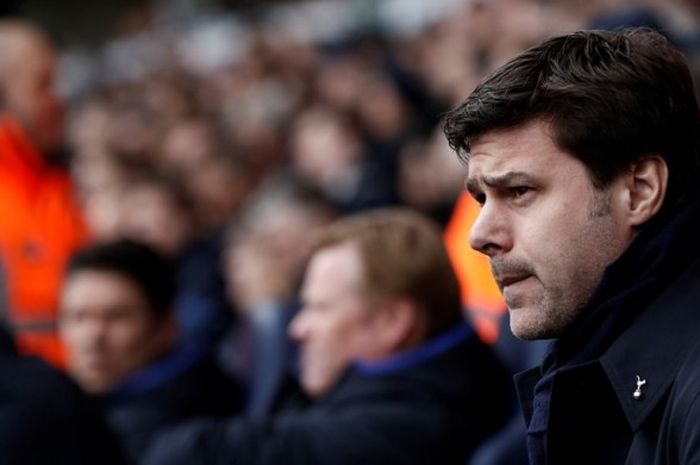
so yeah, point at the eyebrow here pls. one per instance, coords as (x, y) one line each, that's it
(499, 181)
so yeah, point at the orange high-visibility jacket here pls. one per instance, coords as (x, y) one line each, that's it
(480, 295)
(40, 227)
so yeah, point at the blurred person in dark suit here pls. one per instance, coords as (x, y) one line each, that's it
(267, 250)
(394, 374)
(118, 327)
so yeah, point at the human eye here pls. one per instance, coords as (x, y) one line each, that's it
(520, 193)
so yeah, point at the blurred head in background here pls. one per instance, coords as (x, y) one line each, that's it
(157, 210)
(27, 66)
(116, 313)
(269, 245)
(378, 284)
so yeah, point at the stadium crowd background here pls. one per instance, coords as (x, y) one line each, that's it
(214, 105)
(224, 136)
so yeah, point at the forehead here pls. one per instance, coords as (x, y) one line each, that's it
(333, 270)
(27, 48)
(528, 149)
(101, 289)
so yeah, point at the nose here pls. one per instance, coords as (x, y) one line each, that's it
(96, 330)
(298, 327)
(490, 234)
(88, 334)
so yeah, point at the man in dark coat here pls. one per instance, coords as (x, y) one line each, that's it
(117, 322)
(395, 374)
(44, 418)
(584, 153)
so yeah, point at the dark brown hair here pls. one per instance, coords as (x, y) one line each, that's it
(611, 98)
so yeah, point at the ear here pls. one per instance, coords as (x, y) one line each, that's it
(646, 185)
(398, 326)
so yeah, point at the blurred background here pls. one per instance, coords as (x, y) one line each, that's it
(188, 120)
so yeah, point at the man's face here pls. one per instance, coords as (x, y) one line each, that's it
(337, 324)
(28, 92)
(151, 215)
(108, 329)
(548, 232)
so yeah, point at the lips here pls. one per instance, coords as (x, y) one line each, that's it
(509, 271)
(509, 280)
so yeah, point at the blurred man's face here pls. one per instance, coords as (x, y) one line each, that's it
(108, 329)
(337, 324)
(323, 150)
(151, 215)
(28, 92)
(548, 231)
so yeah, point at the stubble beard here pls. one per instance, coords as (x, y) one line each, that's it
(554, 309)
(550, 312)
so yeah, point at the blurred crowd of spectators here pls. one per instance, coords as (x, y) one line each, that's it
(182, 122)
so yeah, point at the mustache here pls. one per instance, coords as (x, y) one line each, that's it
(509, 268)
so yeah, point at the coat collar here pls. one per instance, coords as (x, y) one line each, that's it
(160, 372)
(430, 349)
(526, 382)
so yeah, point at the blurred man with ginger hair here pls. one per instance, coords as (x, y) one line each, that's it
(394, 374)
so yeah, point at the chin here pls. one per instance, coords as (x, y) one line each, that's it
(525, 326)
(311, 388)
(526, 335)
(96, 387)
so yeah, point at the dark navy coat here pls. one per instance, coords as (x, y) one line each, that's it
(180, 387)
(44, 418)
(596, 417)
(433, 404)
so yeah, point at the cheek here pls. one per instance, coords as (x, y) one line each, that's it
(333, 343)
(72, 337)
(127, 338)
(80, 333)
(331, 335)
(572, 250)
(552, 229)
